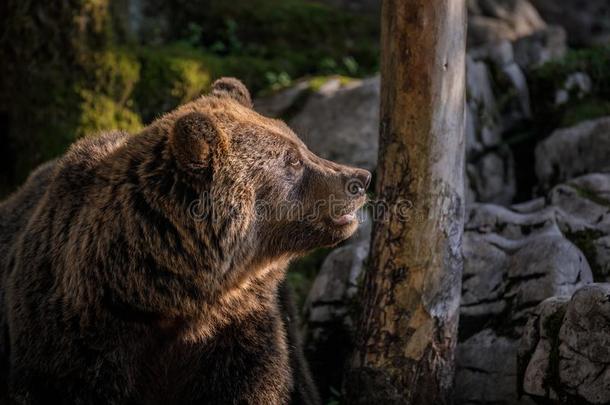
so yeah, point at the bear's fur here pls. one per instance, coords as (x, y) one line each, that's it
(141, 269)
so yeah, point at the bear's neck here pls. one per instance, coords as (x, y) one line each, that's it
(165, 264)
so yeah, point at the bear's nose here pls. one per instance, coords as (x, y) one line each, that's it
(359, 182)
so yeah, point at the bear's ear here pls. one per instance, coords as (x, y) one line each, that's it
(233, 88)
(195, 141)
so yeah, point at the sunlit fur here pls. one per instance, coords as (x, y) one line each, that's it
(114, 292)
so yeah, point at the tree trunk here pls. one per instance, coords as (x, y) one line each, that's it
(411, 292)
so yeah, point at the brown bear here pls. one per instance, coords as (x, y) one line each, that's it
(149, 269)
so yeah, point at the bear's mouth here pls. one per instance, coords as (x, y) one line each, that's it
(349, 215)
(345, 219)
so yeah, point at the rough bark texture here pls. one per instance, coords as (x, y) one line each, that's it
(407, 335)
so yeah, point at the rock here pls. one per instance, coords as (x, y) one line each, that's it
(584, 349)
(512, 262)
(335, 285)
(483, 29)
(540, 47)
(574, 151)
(487, 370)
(536, 344)
(337, 121)
(509, 80)
(601, 261)
(514, 258)
(351, 115)
(517, 108)
(282, 101)
(494, 20)
(564, 354)
(489, 167)
(586, 22)
(576, 86)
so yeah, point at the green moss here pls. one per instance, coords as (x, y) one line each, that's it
(86, 72)
(170, 76)
(114, 73)
(301, 37)
(584, 110)
(101, 113)
(316, 82)
(547, 79)
(591, 195)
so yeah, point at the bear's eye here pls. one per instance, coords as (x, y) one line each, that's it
(293, 160)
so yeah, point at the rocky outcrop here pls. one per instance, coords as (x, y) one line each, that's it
(571, 152)
(514, 258)
(587, 22)
(564, 355)
(489, 163)
(488, 370)
(341, 123)
(495, 20)
(337, 120)
(540, 47)
(512, 261)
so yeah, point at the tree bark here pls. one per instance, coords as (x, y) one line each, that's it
(410, 296)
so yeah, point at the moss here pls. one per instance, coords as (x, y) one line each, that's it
(114, 73)
(316, 82)
(591, 195)
(101, 113)
(40, 89)
(170, 76)
(86, 72)
(301, 37)
(580, 111)
(545, 80)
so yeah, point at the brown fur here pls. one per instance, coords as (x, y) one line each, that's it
(137, 271)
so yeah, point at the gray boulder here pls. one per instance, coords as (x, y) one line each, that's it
(495, 20)
(576, 87)
(540, 47)
(512, 261)
(514, 258)
(510, 82)
(571, 152)
(587, 22)
(338, 121)
(564, 354)
(489, 164)
(487, 370)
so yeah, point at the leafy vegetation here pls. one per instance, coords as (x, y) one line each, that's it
(76, 69)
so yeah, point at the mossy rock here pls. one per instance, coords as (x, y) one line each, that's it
(547, 79)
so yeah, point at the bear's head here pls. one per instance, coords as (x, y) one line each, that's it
(264, 184)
